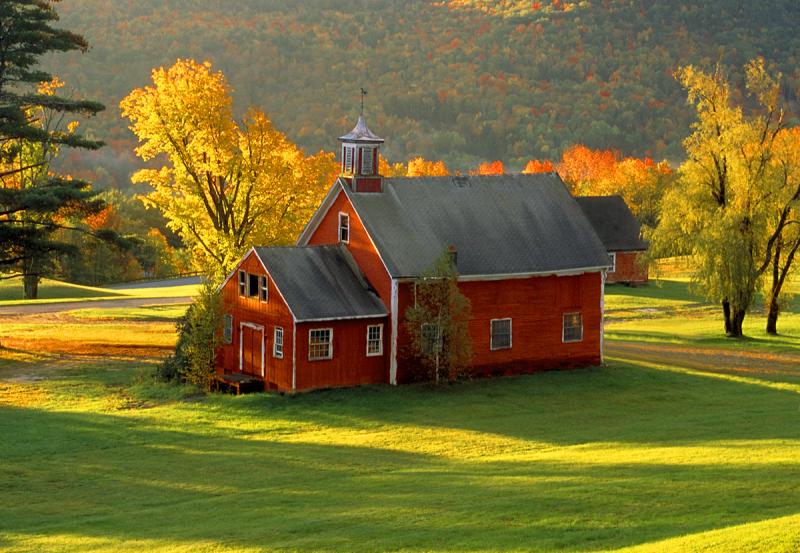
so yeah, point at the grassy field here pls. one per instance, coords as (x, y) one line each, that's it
(685, 441)
(52, 291)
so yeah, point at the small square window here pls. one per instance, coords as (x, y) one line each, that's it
(374, 340)
(252, 286)
(573, 327)
(431, 339)
(320, 344)
(277, 343)
(263, 288)
(613, 257)
(344, 227)
(242, 283)
(500, 334)
(227, 329)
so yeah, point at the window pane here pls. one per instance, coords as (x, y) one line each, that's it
(366, 161)
(252, 288)
(501, 334)
(242, 283)
(227, 329)
(344, 227)
(573, 327)
(278, 347)
(374, 340)
(319, 344)
(431, 339)
(264, 290)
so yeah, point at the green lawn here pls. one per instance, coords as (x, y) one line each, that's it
(647, 454)
(52, 291)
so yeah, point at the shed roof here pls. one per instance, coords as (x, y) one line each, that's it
(321, 282)
(499, 225)
(614, 222)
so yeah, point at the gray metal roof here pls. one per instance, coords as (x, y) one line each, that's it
(499, 224)
(361, 133)
(613, 222)
(321, 282)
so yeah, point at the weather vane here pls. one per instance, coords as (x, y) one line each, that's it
(363, 93)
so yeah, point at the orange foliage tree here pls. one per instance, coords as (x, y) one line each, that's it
(489, 168)
(539, 166)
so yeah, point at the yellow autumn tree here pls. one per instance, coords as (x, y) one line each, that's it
(227, 185)
(421, 167)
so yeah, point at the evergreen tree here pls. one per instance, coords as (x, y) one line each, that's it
(34, 203)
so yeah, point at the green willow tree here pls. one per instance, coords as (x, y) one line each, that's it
(34, 203)
(729, 209)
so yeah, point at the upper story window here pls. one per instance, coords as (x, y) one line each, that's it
(277, 343)
(227, 329)
(348, 159)
(263, 288)
(252, 286)
(242, 283)
(344, 228)
(500, 334)
(320, 344)
(613, 256)
(573, 327)
(367, 155)
(374, 340)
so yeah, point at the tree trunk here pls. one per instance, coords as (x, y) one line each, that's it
(726, 312)
(736, 323)
(30, 284)
(772, 315)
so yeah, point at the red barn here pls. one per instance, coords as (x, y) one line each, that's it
(330, 311)
(621, 234)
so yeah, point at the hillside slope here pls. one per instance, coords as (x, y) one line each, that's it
(463, 80)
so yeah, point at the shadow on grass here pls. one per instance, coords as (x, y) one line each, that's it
(181, 481)
(782, 342)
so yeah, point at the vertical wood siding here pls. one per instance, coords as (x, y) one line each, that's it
(629, 268)
(350, 365)
(275, 312)
(536, 306)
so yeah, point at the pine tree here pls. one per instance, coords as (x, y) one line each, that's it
(34, 203)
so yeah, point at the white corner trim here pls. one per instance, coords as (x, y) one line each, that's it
(393, 358)
(294, 355)
(602, 317)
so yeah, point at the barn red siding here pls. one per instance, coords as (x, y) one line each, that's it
(536, 306)
(359, 245)
(629, 268)
(278, 372)
(350, 365)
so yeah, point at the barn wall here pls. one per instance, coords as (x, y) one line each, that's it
(629, 268)
(350, 365)
(270, 314)
(536, 306)
(360, 245)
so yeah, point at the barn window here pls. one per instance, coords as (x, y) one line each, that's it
(374, 340)
(263, 288)
(500, 334)
(366, 161)
(320, 343)
(344, 227)
(431, 339)
(227, 329)
(252, 286)
(242, 283)
(277, 343)
(573, 327)
(348, 159)
(613, 256)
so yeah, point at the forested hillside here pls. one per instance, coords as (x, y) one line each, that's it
(459, 80)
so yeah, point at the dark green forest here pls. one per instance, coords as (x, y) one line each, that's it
(464, 81)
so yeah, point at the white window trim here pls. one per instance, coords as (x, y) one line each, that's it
(263, 288)
(330, 348)
(564, 327)
(510, 334)
(380, 340)
(275, 352)
(613, 256)
(347, 217)
(242, 284)
(364, 169)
